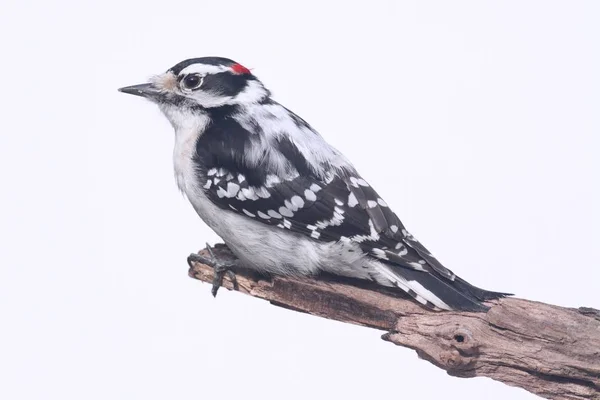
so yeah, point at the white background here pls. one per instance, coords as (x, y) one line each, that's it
(477, 121)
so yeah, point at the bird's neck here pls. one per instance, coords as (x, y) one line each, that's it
(188, 127)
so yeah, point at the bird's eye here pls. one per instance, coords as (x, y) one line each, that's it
(192, 81)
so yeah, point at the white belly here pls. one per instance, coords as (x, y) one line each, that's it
(260, 246)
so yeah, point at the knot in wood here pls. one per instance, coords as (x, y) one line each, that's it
(462, 340)
(460, 349)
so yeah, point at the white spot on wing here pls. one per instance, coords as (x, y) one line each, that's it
(249, 193)
(248, 213)
(381, 202)
(207, 184)
(297, 201)
(402, 249)
(315, 234)
(286, 212)
(274, 214)
(394, 228)
(374, 234)
(352, 201)
(380, 254)
(315, 188)
(321, 224)
(211, 172)
(232, 189)
(262, 192)
(360, 238)
(263, 215)
(417, 266)
(371, 204)
(337, 219)
(310, 195)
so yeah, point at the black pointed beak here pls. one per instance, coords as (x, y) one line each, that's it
(145, 90)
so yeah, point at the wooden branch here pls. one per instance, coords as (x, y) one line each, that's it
(548, 350)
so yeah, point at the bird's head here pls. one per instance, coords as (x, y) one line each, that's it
(201, 83)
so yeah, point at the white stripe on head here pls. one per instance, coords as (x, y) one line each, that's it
(204, 69)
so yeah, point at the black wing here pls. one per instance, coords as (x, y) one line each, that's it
(341, 207)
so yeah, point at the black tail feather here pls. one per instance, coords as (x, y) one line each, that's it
(443, 289)
(480, 294)
(457, 294)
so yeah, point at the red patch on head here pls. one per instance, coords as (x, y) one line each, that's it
(240, 69)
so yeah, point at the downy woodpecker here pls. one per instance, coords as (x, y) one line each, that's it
(283, 199)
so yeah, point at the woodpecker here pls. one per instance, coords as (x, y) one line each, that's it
(284, 200)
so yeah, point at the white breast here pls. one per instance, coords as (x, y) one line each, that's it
(188, 128)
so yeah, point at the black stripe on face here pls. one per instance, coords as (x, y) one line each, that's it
(224, 84)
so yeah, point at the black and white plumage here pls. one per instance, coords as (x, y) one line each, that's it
(283, 199)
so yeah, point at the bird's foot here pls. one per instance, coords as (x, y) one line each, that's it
(221, 268)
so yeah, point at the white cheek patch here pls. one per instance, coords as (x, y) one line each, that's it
(207, 99)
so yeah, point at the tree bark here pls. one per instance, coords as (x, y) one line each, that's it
(548, 350)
